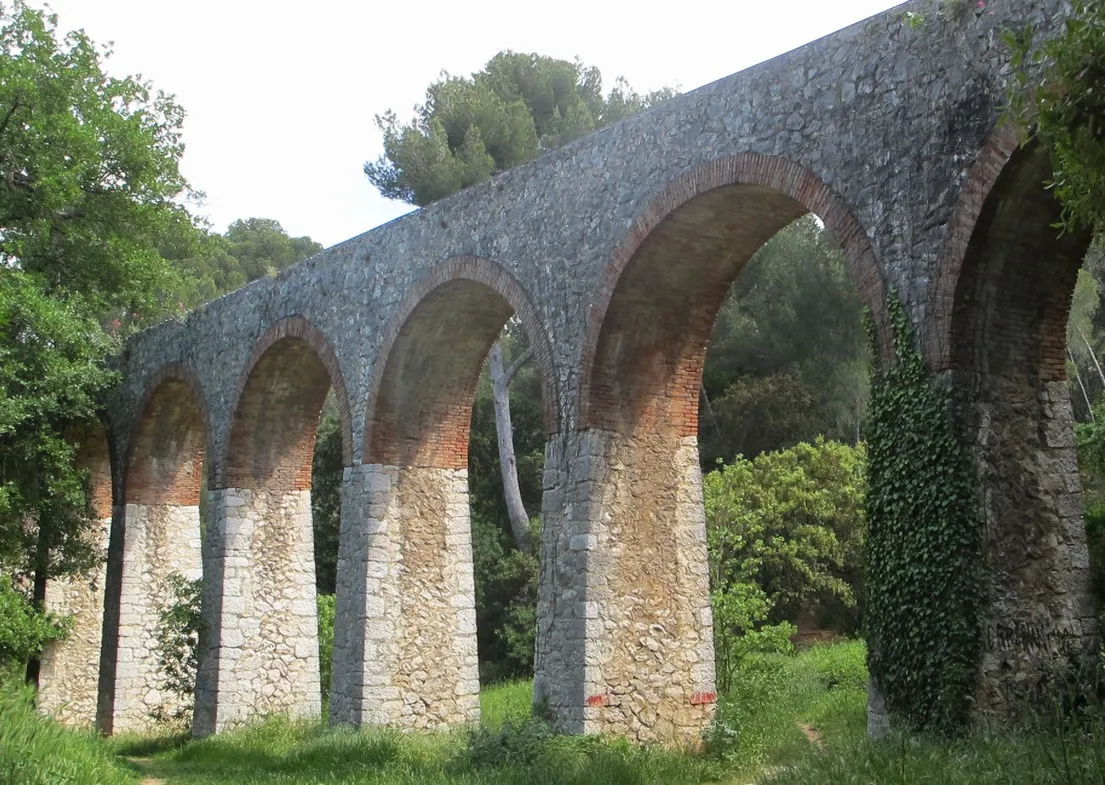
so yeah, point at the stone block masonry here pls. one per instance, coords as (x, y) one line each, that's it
(260, 657)
(407, 656)
(161, 540)
(70, 668)
(638, 638)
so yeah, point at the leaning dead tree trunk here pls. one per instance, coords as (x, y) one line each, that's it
(1081, 386)
(504, 430)
(1093, 356)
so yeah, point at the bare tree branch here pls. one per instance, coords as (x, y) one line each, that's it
(509, 374)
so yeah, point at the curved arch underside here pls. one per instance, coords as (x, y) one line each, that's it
(273, 437)
(1008, 351)
(642, 540)
(262, 654)
(652, 344)
(422, 412)
(414, 494)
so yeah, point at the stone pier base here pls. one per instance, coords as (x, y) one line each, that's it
(159, 540)
(260, 653)
(405, 622)
(69, 673)
(625, 637)
(1041, 641)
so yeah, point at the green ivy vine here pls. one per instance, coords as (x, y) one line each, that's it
(925, 586)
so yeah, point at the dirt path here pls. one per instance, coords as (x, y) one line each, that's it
(811, 734)
(140, 764)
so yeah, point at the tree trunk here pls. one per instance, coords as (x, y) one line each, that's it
(500, 393)
(1094, 356)
(1081, 386)
(38, 596)
(710, 411)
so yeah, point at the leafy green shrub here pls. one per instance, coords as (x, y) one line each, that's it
(23, 630)
(1095, 539)
(325, 641)
(34, 750)
(1058, 94)
(785, 533)
(514, 742)
(506, 602)
(179, 625)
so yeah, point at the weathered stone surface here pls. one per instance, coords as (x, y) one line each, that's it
(161, 540)
(69, 671)
(261, 653)
(70, 668)
(615, 253)
(408, 657)
(624, 602)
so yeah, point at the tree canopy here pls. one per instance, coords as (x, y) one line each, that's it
(89, 182)
(515, 108)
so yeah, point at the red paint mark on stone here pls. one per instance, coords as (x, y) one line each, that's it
(700, 698)
(597, 700)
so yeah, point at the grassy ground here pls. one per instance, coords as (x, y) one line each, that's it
(37, 752)
(788, 721)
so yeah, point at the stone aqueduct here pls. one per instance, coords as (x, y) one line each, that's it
(615, 253)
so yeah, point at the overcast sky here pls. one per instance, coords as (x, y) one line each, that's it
(281, 95)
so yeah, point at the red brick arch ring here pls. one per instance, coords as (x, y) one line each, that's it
(981, 178)
(496, 284)
(176, 374)
(779, 174)
(301, 328)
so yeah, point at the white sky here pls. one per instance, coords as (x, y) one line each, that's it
(281, 95)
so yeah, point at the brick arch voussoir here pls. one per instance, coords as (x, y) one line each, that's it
(491, 274)
(171, 372)
(775, 172)
(981, 178)
(93, 440)
(301, 328)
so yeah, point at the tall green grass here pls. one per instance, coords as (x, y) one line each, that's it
(1040, 758)
(790, 720)
(35, 750)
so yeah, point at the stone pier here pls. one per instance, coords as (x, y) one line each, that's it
(405, 648)
(260, 652)
(625, 644)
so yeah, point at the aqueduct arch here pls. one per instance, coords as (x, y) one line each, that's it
(646, 635)
(160, 537)
(1010, 276)
(405, 652)
(262, 654)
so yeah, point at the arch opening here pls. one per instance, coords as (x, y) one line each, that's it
(260, 601)
(161, 535)
(1008, 353)
(410, 657)
(647, 644)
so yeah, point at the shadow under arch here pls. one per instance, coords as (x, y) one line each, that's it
(261, 653)
(1002, 301)
(631, 538)
(405, 628)
(156, 533)
(711, 220)
(441, 334)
